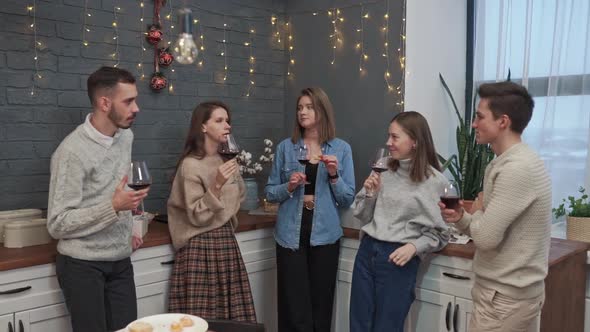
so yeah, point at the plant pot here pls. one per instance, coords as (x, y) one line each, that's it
(578, 228)
(251, 200)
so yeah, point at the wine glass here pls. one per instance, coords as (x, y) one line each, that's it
(379, 164)
(450, 195)
(450, 198)
(229, 150)
(139, 178)
(381, 160)
(303, 158)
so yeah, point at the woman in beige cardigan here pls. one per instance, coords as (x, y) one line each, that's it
(209, 278)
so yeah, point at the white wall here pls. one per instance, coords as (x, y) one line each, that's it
(435, 42)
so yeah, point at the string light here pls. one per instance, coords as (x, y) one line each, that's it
(170, 33)
(251, 62)
(275, 26)
(361, 44)
(387, 74)
(85, 26)
(170, 24)
(115, 24)
(33, 11)
(290, 48)
(224, 53)
(141, 73)
(336, 35)
(201, 56)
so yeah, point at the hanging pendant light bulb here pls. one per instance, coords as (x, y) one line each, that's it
(185, 50)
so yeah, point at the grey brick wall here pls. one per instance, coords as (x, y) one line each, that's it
(32, 127)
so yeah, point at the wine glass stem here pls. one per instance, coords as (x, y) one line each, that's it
(142, 208)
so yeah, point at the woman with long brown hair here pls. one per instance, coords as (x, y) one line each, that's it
(399, 208)
(308, 228)
(209, 278)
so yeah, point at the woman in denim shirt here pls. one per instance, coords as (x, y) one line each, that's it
(308, 227)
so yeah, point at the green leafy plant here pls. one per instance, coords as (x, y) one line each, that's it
(578, 207)
(467, 166)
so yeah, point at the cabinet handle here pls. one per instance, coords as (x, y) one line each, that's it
(448, 316)
(455, 314)
(16, 290)
(10, 329)
(455, 276)
(21, 328)
(167, 262)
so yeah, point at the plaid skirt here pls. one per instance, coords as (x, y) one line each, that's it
(209, 278)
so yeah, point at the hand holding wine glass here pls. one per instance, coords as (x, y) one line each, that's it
(138, 179)
(127, 200)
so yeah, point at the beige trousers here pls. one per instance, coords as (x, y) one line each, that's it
(495, 312)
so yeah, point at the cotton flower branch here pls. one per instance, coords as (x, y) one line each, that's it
(247, 166)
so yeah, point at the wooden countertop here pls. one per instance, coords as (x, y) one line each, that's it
(158, 235)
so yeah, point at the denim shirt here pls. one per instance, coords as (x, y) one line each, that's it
(329, 197)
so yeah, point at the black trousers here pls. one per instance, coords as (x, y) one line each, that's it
(100, 296)
(306, 282)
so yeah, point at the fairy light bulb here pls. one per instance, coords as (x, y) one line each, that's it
(185, 50)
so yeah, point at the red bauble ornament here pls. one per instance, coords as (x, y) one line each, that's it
(158, 82)
(154, 34)
(165, 58)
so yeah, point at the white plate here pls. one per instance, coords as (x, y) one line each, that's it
(161, 323)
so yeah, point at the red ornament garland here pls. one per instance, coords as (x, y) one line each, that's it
(162, 56)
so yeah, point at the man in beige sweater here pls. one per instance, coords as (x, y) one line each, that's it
(510, 221)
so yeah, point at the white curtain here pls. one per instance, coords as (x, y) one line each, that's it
(546, 46)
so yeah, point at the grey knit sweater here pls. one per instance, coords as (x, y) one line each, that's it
(405, 211)
(85, 169)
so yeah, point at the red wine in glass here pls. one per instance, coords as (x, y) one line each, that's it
(138, 186)
(304, 162)
(228, 155)
(451, 202)
(450, 195)
(378, 169)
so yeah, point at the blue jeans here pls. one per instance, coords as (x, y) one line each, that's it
(382, 292)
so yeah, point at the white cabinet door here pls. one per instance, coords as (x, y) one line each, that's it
(7, 323)
(462, 314)
(152, 299)
(263, 281)
(340, 321)
(53, 318)
(431, 311)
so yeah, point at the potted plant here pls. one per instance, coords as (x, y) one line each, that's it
(251, 168)
(577, 216)
(467, 166)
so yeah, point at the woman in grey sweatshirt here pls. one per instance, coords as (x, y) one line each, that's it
(402, 224)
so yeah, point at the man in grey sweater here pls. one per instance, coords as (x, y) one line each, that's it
(89, 208)
(510, 221)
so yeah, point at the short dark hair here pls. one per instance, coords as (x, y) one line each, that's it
(107, 78)
(511, 99)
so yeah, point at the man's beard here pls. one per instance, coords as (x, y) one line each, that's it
(117, 119)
